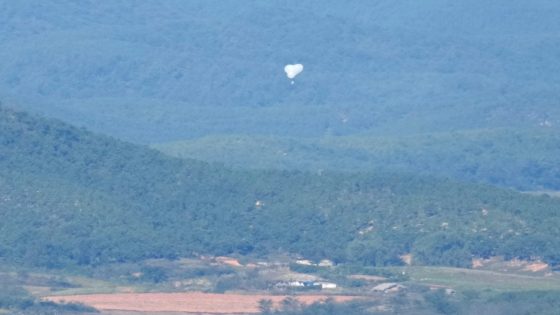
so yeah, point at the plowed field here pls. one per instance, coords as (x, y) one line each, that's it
(192, 302)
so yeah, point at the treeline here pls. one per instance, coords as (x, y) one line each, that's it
(70, 197)
(427, 303)
(16, 300)
(291, 306)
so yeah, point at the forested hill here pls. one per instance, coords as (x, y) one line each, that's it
(527, 160)
(153, 71)
(68, 196)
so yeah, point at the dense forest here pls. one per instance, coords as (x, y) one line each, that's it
(70, 197)
(524, 160)
(152, 72)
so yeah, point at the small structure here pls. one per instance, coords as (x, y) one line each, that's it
(296, 284)
(328, 285)
(306, 285)
(311, 284)
(304, 262)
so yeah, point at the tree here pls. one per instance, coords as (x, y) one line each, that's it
(265, 306)
(290, 305)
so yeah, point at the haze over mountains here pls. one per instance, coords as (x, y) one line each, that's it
(200, 75)
(155, 71)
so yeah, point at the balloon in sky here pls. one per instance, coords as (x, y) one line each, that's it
(293, 70)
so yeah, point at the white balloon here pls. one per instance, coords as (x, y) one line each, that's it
(293, 70)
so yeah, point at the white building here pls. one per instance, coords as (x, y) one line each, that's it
(328, 285)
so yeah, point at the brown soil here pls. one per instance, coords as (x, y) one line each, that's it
(477, 263)
(536, 267)
(193, 302)
(407, 259)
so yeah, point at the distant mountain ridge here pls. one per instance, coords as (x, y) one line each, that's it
(68, 197)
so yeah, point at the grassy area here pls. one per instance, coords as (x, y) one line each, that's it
(479, 280)
(44, 284)
(86, 286)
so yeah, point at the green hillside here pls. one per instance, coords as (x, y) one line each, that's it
(72, 197)
(524, 160)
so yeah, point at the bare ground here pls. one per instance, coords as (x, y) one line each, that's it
(192, 302)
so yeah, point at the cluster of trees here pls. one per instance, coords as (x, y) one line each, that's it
(71, 197)
(291, 306)
(428, 303)
(15, 299)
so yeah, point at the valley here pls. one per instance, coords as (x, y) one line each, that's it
(228, 285)
(290, 157)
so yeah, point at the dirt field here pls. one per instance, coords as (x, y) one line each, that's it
(203, 303)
